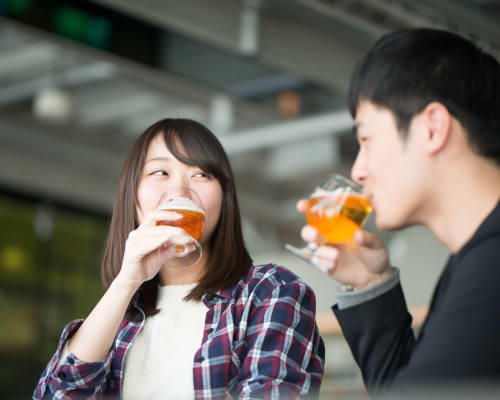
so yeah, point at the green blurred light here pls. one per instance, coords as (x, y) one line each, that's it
(79, 25)
(98, 33)
(19, 6)
(70, 22)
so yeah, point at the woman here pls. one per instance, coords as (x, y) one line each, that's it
(218, 328)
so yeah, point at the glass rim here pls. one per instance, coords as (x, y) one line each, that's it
(189, 189)
(344, 182)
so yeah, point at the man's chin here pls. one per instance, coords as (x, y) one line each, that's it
(391, 225)
(385, 224)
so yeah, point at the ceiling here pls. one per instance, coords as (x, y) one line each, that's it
(268, 77)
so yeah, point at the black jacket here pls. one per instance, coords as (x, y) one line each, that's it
(460, 340)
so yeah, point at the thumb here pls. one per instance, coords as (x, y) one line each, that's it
(302, 205)
(368, 239)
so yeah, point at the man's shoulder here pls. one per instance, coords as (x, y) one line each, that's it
(480, 260)
(486, 235)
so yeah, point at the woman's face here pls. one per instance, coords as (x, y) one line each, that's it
(163, 172)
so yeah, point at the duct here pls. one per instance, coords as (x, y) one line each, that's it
(74, 76)
(64, 150)
(23, 55)
(284, 41)
(286, 132)
(249, 27)
(372, 29)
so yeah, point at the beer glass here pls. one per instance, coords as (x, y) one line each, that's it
(181, 250)
(336, 209)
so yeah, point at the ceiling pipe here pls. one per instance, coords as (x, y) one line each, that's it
(287, 132)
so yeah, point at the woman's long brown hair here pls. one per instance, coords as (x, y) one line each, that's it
(228, 257)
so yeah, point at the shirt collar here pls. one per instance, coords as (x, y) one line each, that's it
(223, 295)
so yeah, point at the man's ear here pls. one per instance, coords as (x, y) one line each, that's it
(437, 119)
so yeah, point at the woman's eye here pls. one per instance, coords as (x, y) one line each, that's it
(159, 173)
(201, 175)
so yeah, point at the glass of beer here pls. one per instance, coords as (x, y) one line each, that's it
(336, 209)
(182, 250)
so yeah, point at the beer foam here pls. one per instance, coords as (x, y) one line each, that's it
(318, 192)
(180, 203)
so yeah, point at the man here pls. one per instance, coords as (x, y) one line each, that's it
(426, 106)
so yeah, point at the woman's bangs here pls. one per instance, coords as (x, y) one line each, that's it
(191, 149)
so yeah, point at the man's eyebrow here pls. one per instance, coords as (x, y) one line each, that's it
(355, 128)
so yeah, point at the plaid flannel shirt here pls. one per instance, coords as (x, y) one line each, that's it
(260, 341)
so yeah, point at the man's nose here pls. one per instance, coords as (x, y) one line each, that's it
(358, 171)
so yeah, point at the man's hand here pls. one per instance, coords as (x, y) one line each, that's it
(360, 262)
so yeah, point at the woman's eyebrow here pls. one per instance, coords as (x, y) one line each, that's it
(158, 159)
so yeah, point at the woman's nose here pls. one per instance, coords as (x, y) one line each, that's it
(178, 189)
(175, 181)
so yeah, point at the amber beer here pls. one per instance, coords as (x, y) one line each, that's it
(338, 216)
(193, 217)
(192, 222)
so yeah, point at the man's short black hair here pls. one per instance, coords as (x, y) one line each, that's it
(406, 70)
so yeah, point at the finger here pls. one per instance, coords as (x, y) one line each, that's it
(309, 234)
(160, 215)
(179, 240)
(184, 250)
(302, 205)
(326, 258)
(175, 250)
(142, 244)
(153, 241)
(156, 230)
(368, 239)
(166, 252)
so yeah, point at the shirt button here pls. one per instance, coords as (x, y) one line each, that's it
(210, 296)
(209, 331)
(71, 361)
(61, 375)
(200, 359)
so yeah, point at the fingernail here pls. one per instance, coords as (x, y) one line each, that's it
(176, 215)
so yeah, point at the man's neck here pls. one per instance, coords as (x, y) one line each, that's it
(461, 207)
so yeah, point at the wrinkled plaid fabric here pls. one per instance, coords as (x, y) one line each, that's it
(260, 341)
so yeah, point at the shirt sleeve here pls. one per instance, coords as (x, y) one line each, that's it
(69, 377)
(352, 298)
(379, 335)
(284, 351)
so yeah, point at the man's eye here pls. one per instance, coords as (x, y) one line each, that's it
(363, 140)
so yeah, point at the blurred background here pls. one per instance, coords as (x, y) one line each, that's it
(80, 80)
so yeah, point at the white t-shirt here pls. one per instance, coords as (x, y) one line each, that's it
(159, 364)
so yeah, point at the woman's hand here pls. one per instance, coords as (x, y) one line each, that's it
(144, 255)
(141, 262)
(360, 262)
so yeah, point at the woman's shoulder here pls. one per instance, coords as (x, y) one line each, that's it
(265, 278)
(271, 271)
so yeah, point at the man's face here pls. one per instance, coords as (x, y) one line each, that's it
(388, 166)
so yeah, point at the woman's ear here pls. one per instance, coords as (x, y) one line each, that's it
(437, 119)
